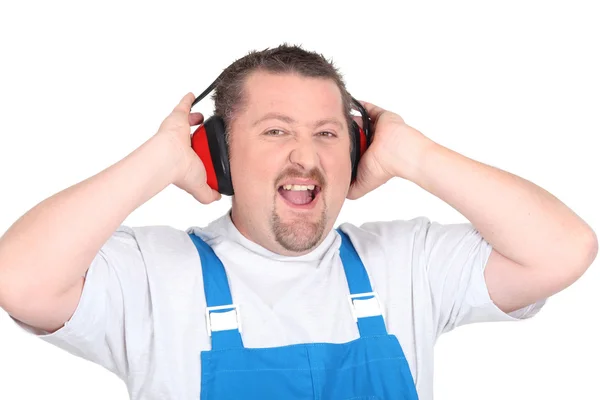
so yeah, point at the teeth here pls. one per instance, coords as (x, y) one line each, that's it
(299, 187)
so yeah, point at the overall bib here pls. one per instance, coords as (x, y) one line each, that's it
(370, 367)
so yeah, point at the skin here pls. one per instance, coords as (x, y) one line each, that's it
(272, 151)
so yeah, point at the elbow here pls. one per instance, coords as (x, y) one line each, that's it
(584, 253)
(590, 250)
(574, 262)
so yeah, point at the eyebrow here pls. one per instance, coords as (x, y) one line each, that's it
(290, 120)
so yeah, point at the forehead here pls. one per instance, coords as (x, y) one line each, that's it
(292, 94)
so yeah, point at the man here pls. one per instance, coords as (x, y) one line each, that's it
(269, 298)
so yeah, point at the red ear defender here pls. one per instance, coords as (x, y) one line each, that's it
(363, 141)
(361, 137)
(200, 146)
(209, 143)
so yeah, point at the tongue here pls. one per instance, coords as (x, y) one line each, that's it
(298, 197)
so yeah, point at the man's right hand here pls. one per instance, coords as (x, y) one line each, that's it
(41, 275)
(191, 174)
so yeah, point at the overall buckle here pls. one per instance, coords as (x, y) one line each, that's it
(361, 307)
(222, 321)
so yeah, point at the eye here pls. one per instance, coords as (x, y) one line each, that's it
(278, 132)
(327, 134)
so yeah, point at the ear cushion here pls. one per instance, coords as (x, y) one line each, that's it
(359, 146)
(209, 143)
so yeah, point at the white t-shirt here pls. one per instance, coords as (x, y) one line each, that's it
(141, 313)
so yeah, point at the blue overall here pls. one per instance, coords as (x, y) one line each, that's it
(370, 367)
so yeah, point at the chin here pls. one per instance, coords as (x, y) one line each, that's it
(298, 234)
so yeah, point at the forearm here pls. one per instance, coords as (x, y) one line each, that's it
(51, 246)
(519, 219)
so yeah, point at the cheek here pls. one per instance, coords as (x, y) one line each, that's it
(339, 172)
(253, 175)
(339, 165)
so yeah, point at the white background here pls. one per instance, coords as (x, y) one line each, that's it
(515, 85)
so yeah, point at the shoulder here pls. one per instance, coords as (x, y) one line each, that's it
(418, 230)
(157, 236)
(145, 244)
(413, 239)
(392, 243)
(384, 232)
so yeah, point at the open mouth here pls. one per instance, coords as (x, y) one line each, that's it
(299, 196)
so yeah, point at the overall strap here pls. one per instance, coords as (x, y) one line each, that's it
(222, 317)
(364, 302)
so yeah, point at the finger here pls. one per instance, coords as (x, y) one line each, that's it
(205, 194)
(358, 187)
(195, 119)
(356, 191)
(362, 186)
(373, 110)
(185, 104)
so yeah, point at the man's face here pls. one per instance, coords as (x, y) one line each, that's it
(290, 161)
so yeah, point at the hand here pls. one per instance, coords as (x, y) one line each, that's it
(191, 174)
(394, 151)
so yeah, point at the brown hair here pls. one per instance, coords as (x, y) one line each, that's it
(229, 95)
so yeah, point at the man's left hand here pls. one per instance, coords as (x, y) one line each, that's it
(395, 150)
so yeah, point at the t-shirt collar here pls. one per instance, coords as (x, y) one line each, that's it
(224, 226)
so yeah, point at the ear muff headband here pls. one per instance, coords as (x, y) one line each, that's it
(209, 143)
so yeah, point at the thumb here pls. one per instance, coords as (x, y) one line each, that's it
(185, 104)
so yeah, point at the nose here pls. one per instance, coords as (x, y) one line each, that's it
(304, 154)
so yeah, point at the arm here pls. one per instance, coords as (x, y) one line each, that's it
(540, 245)
(45, 253)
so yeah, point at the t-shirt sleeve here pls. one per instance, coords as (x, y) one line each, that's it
(112, 310)
(454, 259)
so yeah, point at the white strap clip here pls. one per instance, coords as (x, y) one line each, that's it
(222, 321)
(361, 307)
